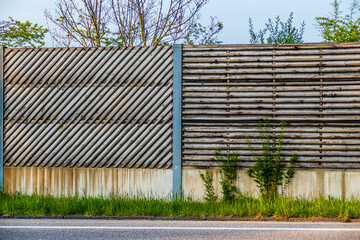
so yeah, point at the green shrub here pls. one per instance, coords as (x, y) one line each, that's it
(270, 170)
(228, 174)
(210, 195)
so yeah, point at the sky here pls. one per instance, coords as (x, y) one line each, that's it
(233, 13)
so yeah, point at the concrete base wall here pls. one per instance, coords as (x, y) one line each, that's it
(88, 181)
(306, 183)
(158, 182)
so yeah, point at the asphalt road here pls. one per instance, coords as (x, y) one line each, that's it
(158, 229)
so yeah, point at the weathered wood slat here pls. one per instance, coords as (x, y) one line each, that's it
(235, 53)
(258, 148)
(269, 59)
(202, 106)
(199, 100)
(245, 164)
(311, 162)
(301, 95)
(206, 130)
(307, 153)
(267, 77)
(286, 135)
(275, 71)
(269, 89)
(292, 141)
(255, 83)
(231, 113)
(288, 124)
(355, 118)
(263, 65)
(290, 46)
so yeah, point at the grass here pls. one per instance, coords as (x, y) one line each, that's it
(244, 206)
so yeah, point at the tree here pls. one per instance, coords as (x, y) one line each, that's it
(14, 33)
(278, 32)
(202, 35)
(84, 22)
(338, 28)
(126, 22)
(150, 22)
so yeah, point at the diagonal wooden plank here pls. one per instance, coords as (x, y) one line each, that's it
(15, 64)
(103, 116)
(161, 158)
(121, 134)
(150, 144)
(117, 141)
(25, 92)
(91, 107)
(134, 113)
(144, 145)
(45, 139)
(129, 99)
(47, 99)
(24, 143)
(36, 100)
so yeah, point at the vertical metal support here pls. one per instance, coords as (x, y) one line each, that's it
(2, 118)
(177, 96)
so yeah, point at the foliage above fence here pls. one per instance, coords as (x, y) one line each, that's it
(313, 87)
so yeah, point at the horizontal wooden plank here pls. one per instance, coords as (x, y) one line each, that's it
(285, 152)
(278, 118)
(251, 128)
(258, 148)
(270, 59)
(230, 88)
(292, 141)
(271, 65)
(295, 46)
(310, 159)
(268, 77)
(300, 95)
(268, 83)
(273, 71)
(269, 106)
(232, 112)
(305, 135)
(242, 164)
(275, 123)
(235, 52)
(269, 100)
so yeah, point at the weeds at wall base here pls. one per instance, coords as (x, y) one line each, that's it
(242, 206)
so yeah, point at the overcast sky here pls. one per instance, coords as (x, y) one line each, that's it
(233, 13)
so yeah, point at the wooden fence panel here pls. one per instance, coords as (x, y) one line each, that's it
(88, 107)
(315, 88)
(112, 107)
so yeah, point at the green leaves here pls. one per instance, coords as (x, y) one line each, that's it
(270, 171)
(207, 178)
(14, 33)
(228, 174)
(204, 35)
(277, 32)
(338, 28)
